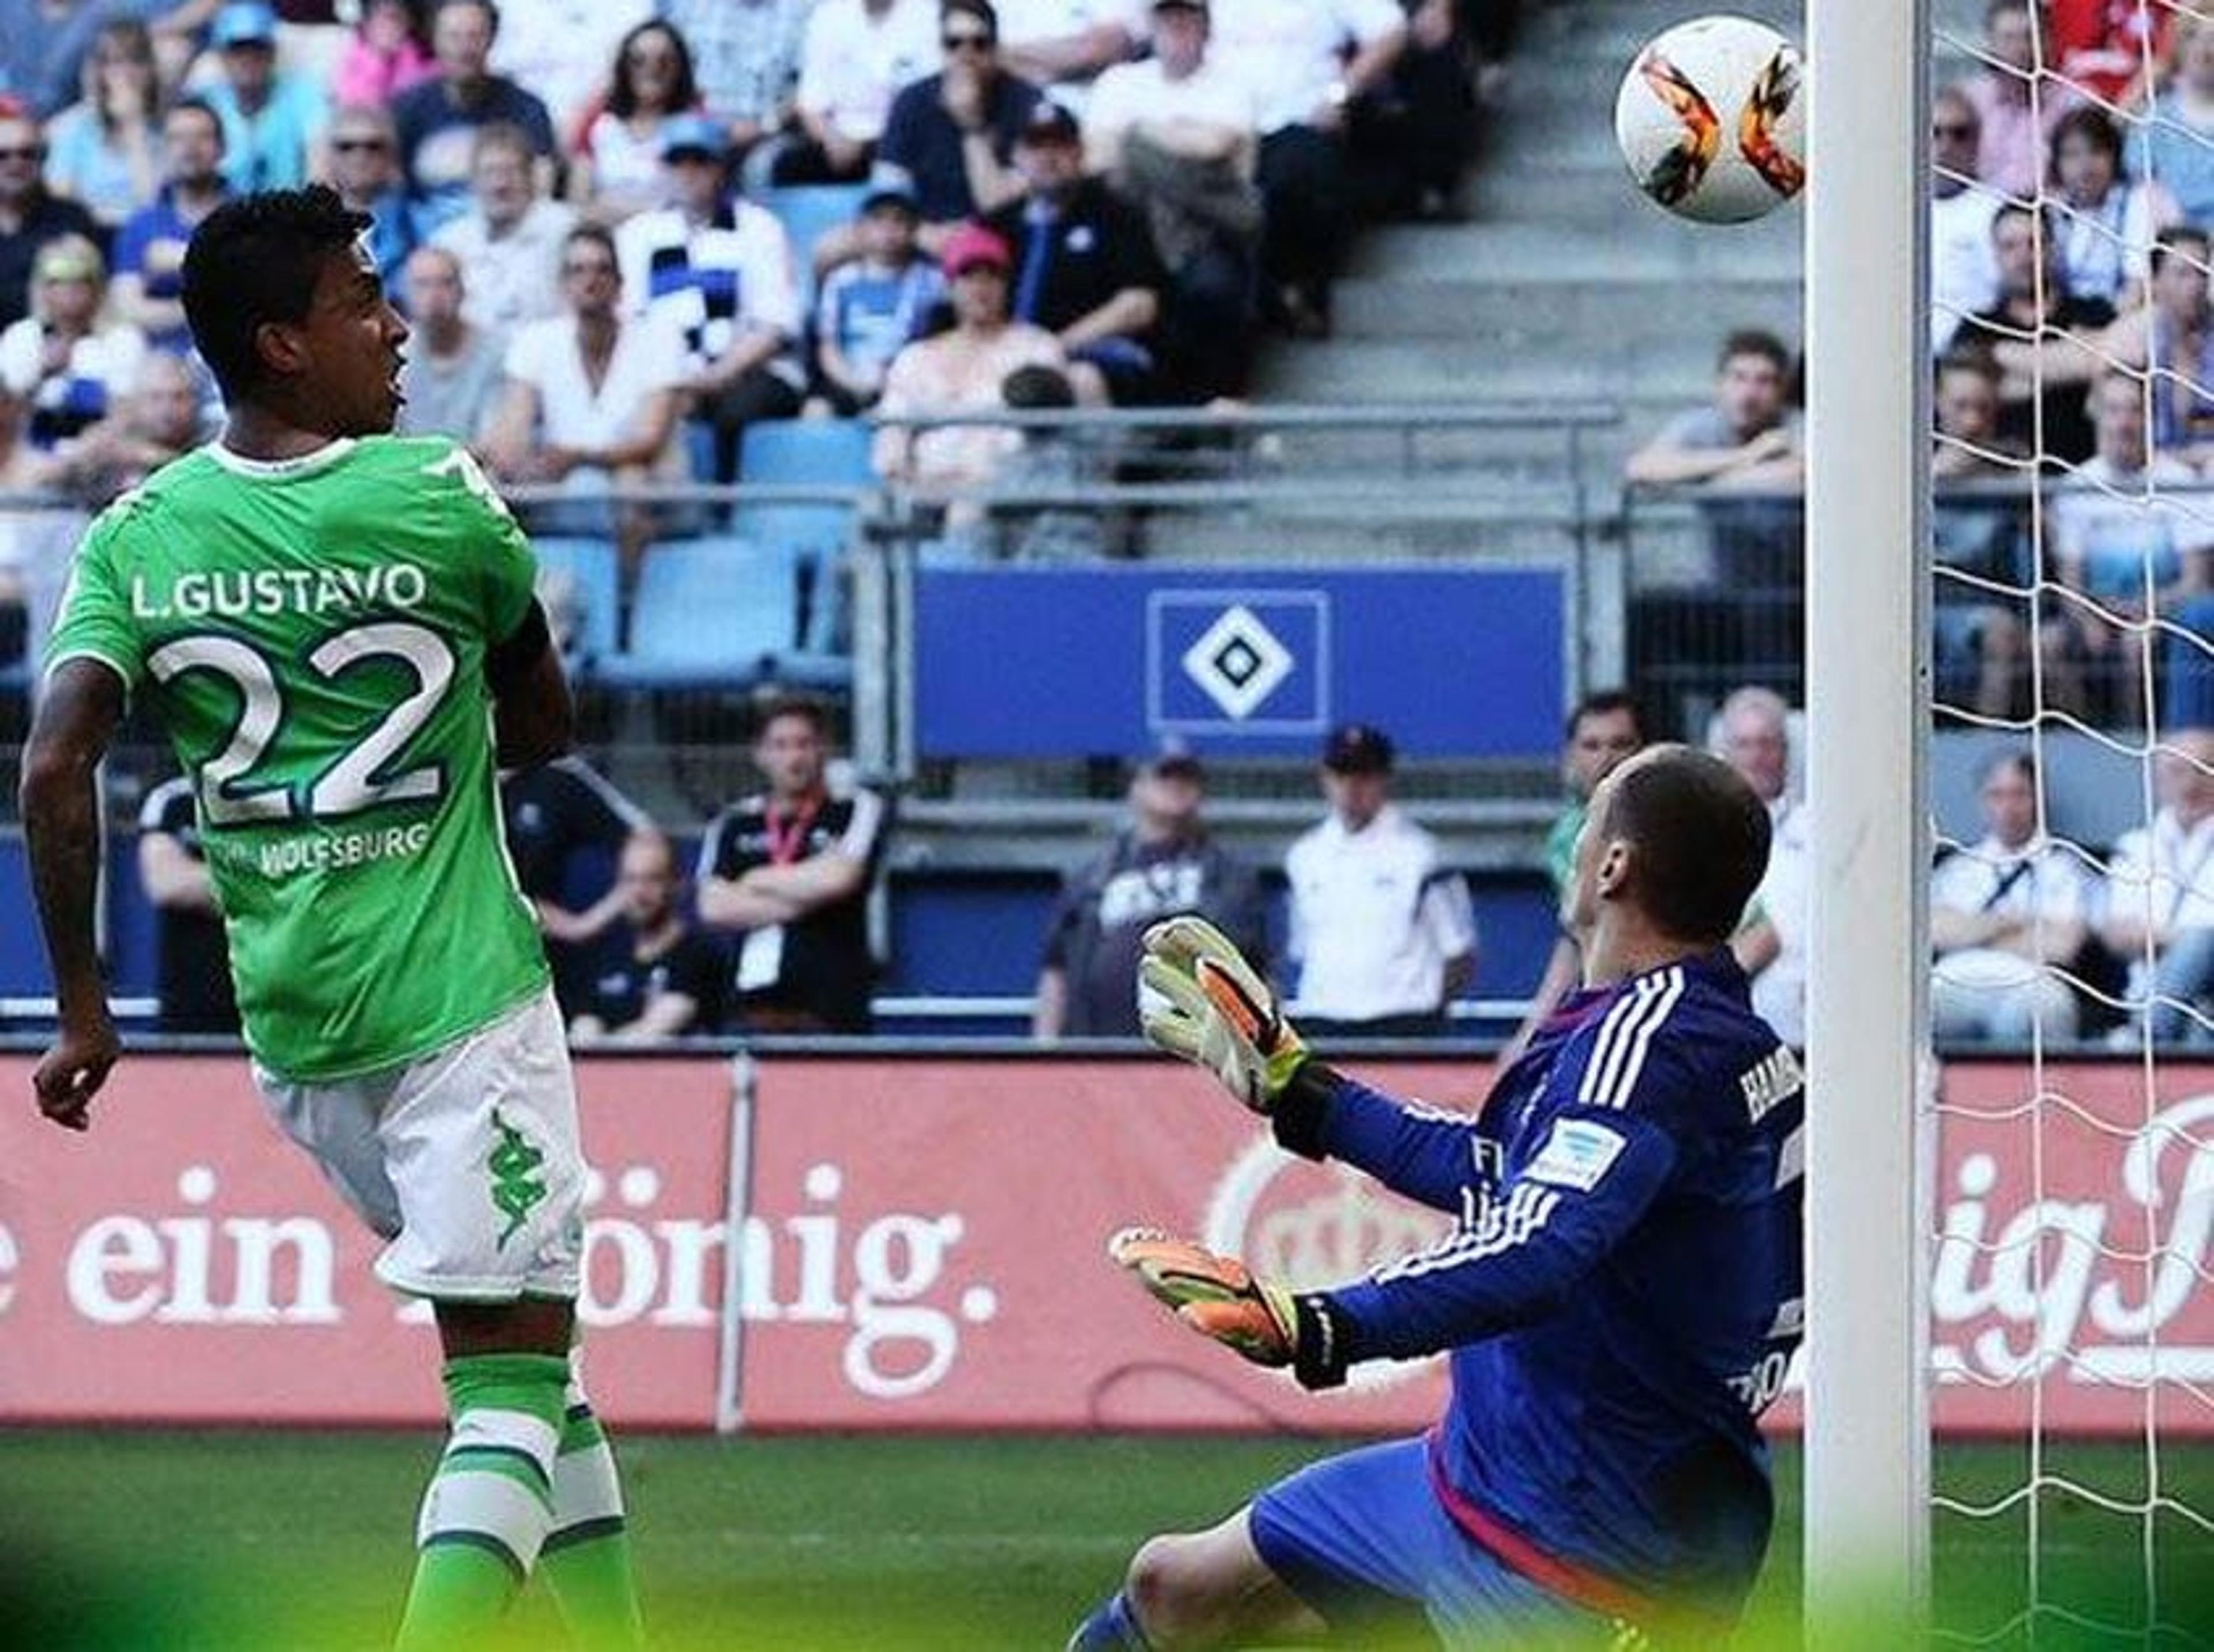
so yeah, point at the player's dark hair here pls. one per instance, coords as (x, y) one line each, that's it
(1603, 702)
(1753, 341)
(809, 711)
(1699, 841)
(253, 261)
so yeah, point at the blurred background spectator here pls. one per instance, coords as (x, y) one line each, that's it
(615, 168)
(788, 871)
(150, 252)
(2106, 220)
(437, 118)
(272, 121)
(746, 55)
(1747, 437)
(1753, 734)
(1382, 932)
(717, 270)
(2015, 134)
(1162, 863)
(390, 51)
(873, 307)
(1603, 729)
(960, 370)
(661, 979)
(951, 137)
(1064, 45)
(364, 162)
(1982, 638)
(560, 49)
(2176, 144)
(105, 150)
(2045, 340)
(31, 215)
(1964, 277)
(1309, 63)
(2160, 897)
(154, 416)
(2004, 913)
(64, 362)
(510, 240)
(2115, 533)
(2171, 338)
(452, 376)
(1175, 134)
(591, 395)
(856, 56)
(1084, 266)
(192, 970)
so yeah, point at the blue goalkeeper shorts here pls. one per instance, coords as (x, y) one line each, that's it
(1363, 1540)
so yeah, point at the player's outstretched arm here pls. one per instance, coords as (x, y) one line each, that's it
(534, 721)
(77, 717)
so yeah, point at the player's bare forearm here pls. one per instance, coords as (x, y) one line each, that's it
(77, 718)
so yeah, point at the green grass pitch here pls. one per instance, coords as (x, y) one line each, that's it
(258, 1541)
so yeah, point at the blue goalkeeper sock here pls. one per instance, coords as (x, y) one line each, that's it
(1113, 1628)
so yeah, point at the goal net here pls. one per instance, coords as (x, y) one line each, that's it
(2070, 792)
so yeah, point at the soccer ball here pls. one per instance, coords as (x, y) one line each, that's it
(1711, 118)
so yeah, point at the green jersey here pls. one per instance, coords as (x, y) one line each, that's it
(312, 634)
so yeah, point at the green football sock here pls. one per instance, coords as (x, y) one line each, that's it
(587, 1555)
(491, 1503)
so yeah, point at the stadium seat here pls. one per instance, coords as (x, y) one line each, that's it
(592, 567)
(817, 535)
(808, 452)
(719, 612)
(807, 212)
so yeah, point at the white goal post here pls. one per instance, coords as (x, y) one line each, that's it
(1868, 1440)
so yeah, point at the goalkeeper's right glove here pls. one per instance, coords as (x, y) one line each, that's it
(1210, 1008)
(1219, 1298)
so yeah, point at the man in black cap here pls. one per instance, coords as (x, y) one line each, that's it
(1381, 929)
(1085, 269)
(1164, 863)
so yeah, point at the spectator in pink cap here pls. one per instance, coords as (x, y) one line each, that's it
(960, 370)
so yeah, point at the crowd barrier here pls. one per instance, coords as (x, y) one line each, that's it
(919, 1245)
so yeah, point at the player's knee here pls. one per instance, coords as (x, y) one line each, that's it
(1167, 1591)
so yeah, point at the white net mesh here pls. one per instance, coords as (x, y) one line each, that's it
(2073, 774)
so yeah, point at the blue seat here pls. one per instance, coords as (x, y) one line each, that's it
(807, 212)
(592, 564)
(808, 452)
(818, 535)
(719, 612)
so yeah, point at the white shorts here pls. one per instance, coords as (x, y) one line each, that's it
(466, 1160)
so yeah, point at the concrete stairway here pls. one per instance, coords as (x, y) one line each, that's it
(1566, 284)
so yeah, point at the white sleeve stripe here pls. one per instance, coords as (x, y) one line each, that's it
(1791, 1158)
(1503, 1229)
(1618, 1094)
(1611, 1083)
(859, 837)
(1627, 1008)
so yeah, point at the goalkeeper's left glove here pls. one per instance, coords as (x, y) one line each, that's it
(1218, 1297)
(1211, 1008)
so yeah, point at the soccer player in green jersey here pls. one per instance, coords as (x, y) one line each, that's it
(336, 629)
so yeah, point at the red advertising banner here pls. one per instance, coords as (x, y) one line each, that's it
(938, 1248)
(182, 1262)
(922, 1246)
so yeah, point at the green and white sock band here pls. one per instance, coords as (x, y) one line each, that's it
(494, 1487)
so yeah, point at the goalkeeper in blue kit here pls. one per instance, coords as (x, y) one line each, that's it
(1621, 1294)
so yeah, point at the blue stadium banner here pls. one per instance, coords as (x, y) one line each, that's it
(1242, 662)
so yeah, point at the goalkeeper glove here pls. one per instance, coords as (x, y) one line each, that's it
(1217, 1297)
(1210, 1008)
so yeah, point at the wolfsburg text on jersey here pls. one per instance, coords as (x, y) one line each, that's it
(234, 594)
(282, 857)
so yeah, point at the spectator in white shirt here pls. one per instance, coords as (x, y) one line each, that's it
(510, 240)
(1294, 53)
(1381, 931)
(856, 57)
(1064, 44)
(452, 374)
(2005, 914)
(719, 269)
(2160, 896)
(1752, 735)
(592, 395)
(1964, 271)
